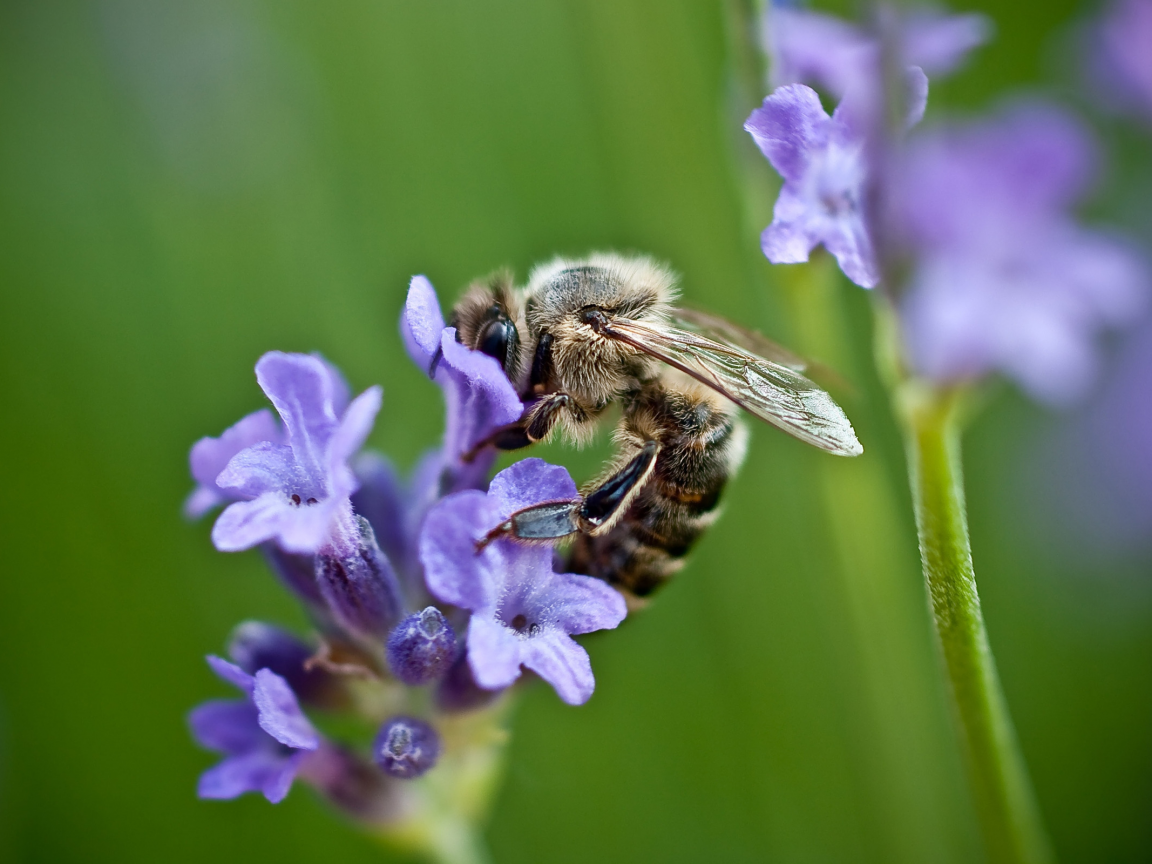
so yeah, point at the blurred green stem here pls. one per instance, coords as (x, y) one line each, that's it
(1003, 794)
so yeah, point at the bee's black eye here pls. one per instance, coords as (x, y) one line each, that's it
(499, 339)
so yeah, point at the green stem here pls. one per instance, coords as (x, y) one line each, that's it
(1003, 794)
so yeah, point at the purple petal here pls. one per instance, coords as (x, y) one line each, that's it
(811, 47)
(422, 321)
(228, 726)
(494, 653)
(339, 388)
(200, 500)
(264, 771)
(209, 456)
(479, 395)
(915, 96)
(528, 482)
(302, 390)
(349, 437)
(455, 573)
(231, 673)
(563, 664)
(787, 127)
(787, 242)
(300, 529)
(848, 240)
(264, 467)
(581, 604)
(940, 43)
(280, 715)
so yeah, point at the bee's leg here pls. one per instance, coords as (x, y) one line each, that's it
(553, 520)
(608, 501)
(535, 425)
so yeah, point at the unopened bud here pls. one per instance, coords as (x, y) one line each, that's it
(406, 747)
(422, 647)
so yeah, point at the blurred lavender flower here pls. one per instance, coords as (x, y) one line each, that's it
(806, 47)
(265, 737)
(1003, 277)
(478, 395)
(298, 494)
(1121, 55)
(523, 611)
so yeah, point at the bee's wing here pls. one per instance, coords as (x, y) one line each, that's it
(775, 393)
(722, 330)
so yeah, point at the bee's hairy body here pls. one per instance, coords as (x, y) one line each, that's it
(587, 334)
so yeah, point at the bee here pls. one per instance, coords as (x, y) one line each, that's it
(588, 334)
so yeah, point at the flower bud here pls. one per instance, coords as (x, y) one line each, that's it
(422, 647)
(359, 586)
(406, 747)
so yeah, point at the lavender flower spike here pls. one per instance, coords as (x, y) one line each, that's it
(210, 456)
(297, 493)
(822, 160)
(478, 394)
(265, 737)
(523, 613)
(1005, 278)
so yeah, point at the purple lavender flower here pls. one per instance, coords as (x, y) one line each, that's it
(479, 396)
(210, 456)
(265, 737)
(255, 645)
(1004, 277)
(822, 160)
(522, 611)
(807, 47)
(297, 493)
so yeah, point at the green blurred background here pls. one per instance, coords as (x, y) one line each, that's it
(187, 185)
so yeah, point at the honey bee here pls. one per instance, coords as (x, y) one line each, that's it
(586, 334)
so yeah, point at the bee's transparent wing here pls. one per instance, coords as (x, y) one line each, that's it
(724, 331)
(775, 393)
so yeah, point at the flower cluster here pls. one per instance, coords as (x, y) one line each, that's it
(995, 272)
(403, 599)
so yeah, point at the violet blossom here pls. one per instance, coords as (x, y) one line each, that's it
(523, 613)
(265, 736)
(210, 456)
(824, 51)
(1003, 276)
(297, 493)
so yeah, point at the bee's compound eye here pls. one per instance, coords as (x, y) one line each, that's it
(497, 340)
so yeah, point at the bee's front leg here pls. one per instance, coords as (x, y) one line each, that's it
(537, 422)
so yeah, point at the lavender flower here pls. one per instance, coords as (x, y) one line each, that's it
(265, 737)
(297, 494)
(1004, 278)
(479, 396)
(522, 611)
(255, 645)
(807, 47)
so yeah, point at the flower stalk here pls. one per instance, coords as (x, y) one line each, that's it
(1002, 791)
